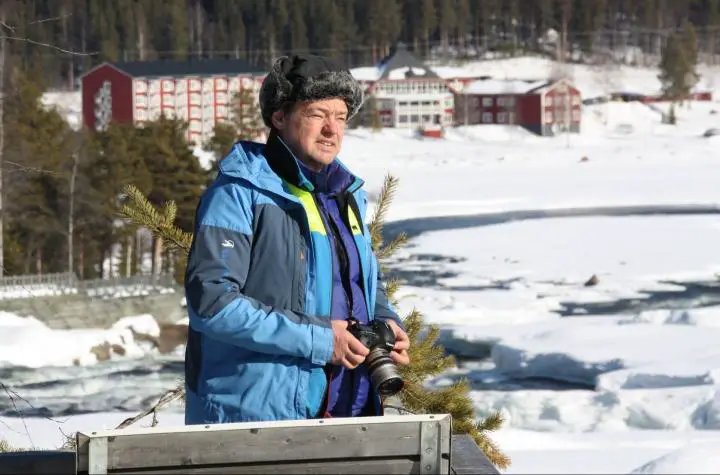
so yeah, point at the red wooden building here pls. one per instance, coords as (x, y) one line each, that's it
(197, 91)
(543, 107)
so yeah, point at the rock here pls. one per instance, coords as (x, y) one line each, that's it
(592, 281)
(105, 350)
(584, 159)
(101, 351)
(171, 336)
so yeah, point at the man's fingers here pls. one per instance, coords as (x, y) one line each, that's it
(356, 347)
(400, 358)
(354, 359)
(401, 345)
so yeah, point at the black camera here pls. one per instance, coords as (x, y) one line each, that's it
(379, 338)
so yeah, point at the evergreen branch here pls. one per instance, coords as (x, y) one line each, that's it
(391, 287)
(384, 199)
(141, 212)
(491, 423)
(391, 248)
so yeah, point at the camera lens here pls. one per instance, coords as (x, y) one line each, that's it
(383, 373)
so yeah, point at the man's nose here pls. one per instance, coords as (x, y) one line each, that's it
(331, 126)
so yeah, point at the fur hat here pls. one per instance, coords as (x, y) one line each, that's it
(306, 77)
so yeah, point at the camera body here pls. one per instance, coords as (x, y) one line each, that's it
(379, 338)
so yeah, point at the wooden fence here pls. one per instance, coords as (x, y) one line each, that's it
(417, 444)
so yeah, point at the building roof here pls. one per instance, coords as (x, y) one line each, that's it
(508, 86)
(402, 64)
(398, 65)
(203, 67)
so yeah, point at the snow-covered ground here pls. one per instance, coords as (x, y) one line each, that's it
(506, 229)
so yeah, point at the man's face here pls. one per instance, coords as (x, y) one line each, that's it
(314, 130)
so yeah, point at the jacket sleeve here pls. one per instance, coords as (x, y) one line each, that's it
(216, 272)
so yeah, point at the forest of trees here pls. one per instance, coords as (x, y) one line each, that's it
(357, 32)
(62, 188)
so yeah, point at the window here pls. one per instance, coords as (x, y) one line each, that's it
(426, 118)
(437, 119)
(575, 100)
(507, 101)
(576, 115)
(502, 117)
(548, 116)
(511, 118)
(414, 119)
(426, 103)
(403, 103)
(487, 118)
(402, 119)
(487, 102)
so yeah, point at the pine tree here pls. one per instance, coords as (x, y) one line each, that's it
(678, 64)
(245, 123)
(427, 356)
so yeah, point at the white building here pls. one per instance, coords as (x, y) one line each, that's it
(407, 93)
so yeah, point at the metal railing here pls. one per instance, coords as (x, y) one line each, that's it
(46, 285)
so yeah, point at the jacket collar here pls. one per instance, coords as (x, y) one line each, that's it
(267, 165)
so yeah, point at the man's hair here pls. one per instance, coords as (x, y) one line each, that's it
(306, 77)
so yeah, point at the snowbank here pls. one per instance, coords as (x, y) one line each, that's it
(27, 342)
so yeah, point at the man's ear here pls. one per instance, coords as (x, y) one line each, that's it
(278, 119)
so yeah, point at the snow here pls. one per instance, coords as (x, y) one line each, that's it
(22, 337)
(400, 73)
(505, 230)
(495, 86)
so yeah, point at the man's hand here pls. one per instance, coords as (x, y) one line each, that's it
(347, 350)
(399, 354)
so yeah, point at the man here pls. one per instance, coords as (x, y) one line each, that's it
(280, 261)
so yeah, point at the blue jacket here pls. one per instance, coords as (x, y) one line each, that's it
(259, 291)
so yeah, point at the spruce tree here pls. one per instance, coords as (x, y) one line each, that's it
(427, 356)
(678, 64)
(245, 123)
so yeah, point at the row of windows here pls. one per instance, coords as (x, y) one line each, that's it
(560, 116)
(560, 100)
(502, 118)
(418, 103)
(208, 84)
(503, 101)
(416, 119)
(181, 113)
(412, 87)
(509, 117)
(509, 101)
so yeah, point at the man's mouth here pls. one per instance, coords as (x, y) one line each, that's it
(326, 143)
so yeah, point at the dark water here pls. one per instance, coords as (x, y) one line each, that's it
(130, 385)
(416, 226)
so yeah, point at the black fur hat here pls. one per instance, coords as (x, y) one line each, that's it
(306, 77)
